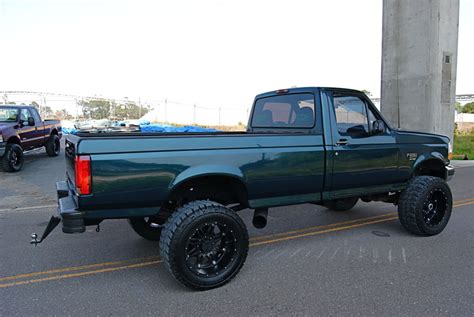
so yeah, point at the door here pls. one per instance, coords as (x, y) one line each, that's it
(30, 137)
(362, 157)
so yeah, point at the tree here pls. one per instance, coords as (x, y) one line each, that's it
(468, 108)
(458, 107)
(368, 93)
(96, 108)
(62, 114)
(130, 110)
(104, 109)
(35, 104)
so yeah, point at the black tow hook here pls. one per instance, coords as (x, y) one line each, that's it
(53, 223)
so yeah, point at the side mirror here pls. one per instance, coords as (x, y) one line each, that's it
(378, 127)
(31, 121)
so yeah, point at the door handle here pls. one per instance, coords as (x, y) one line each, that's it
(342, 142)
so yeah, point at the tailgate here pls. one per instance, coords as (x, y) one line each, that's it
(70, 152)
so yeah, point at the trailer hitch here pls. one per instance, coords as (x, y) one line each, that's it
(53, 223)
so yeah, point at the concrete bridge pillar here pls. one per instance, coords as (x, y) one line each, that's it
(419, 57)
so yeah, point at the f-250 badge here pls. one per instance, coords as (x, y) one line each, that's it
(412, 156)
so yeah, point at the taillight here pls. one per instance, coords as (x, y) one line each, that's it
(83, 174)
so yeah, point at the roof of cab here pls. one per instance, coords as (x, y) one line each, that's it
(16, 106)
(304, 90)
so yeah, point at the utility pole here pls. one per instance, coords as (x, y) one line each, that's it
(139, 108)
(194, 113)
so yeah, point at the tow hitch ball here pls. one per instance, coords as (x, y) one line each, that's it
(53, 222)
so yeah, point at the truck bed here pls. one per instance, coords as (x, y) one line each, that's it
(131, 169)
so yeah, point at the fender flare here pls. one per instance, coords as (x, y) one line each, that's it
(428, 157)
(206, 170)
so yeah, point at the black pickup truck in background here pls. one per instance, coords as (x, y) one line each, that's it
(21, 130)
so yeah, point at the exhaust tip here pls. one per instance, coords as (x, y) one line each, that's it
(259, 220)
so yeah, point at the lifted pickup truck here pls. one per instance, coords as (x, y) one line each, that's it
(325, 146)
(21, 130)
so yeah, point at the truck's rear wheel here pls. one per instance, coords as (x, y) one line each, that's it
(204, 244)
(12, 160)
(341, 204)
(147, 227)
(53, 146)
(425, 206)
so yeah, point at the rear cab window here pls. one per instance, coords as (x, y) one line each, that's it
(291, 112)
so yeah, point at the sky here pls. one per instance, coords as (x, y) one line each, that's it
(209, 52)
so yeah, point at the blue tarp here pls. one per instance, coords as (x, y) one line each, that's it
(146, 127)
(161, 128)
(69, 131)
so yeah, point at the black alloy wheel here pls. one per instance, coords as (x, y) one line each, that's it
(435, 207)
(12, 160)
(204, 244)
(210, 249)
(425, 206)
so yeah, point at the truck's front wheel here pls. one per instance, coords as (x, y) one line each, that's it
(424, 207)
(12, 160)
(204, 244)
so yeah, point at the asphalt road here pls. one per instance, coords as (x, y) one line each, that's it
(308, 261)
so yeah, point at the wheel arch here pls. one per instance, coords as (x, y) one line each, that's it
(430, 166)
(222, 184)
(14, 140)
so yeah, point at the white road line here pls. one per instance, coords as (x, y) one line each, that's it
(322, 252)
(334, 254)
(348, 251)
(294, 253)
(404, 256)
(390, 255)
(280, 254)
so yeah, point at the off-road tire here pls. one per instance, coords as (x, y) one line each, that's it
(181, 226)
(414, 201)
(145, 229)
(343, 204)
(9, 164)
(53, 146)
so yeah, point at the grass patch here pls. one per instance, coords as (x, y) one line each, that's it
(464, 144)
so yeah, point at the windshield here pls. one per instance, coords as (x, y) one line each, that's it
(8, 114)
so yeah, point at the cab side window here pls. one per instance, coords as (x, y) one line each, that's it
(24, 115)
(353, 117)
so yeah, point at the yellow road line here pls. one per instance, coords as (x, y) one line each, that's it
(60, 277)
(464, 200)
(465, 204)
(102, 264)
(73, 268)
(289, 236)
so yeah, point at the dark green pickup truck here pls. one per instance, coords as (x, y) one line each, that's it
(325, 146)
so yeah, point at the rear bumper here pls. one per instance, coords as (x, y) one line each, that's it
(449, 172)
(73, 220)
